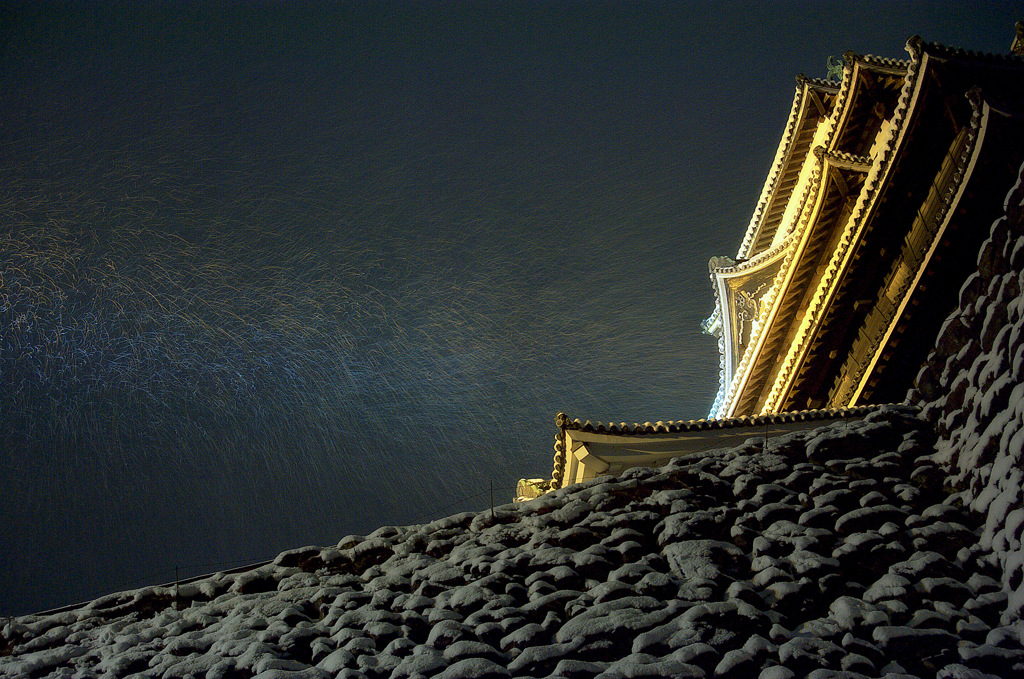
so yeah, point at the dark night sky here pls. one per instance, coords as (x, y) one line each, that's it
(274, 273)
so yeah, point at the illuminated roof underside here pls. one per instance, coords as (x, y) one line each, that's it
(876, 181)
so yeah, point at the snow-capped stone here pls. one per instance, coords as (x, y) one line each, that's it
(888, 547)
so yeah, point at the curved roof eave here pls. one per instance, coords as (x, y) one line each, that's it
(865, 207)
(724, 300)
(965, 168)
(910, 69)
(727, 402)
(726, 408)
(940, 51)
(782, 156)
(565, 423)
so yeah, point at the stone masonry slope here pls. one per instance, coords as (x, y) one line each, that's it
(972, 389)
(839, 549)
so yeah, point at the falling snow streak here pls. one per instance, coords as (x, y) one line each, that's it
(278, 346)
(261, 289)
(118, 320)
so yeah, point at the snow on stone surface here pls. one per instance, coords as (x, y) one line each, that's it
(972, 389)
(837, 552)
(890, 547)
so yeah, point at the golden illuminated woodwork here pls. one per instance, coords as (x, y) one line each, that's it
(874, 180)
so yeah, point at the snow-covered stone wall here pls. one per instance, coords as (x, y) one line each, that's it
(833, 552)
(973, 388)
(884, 547)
